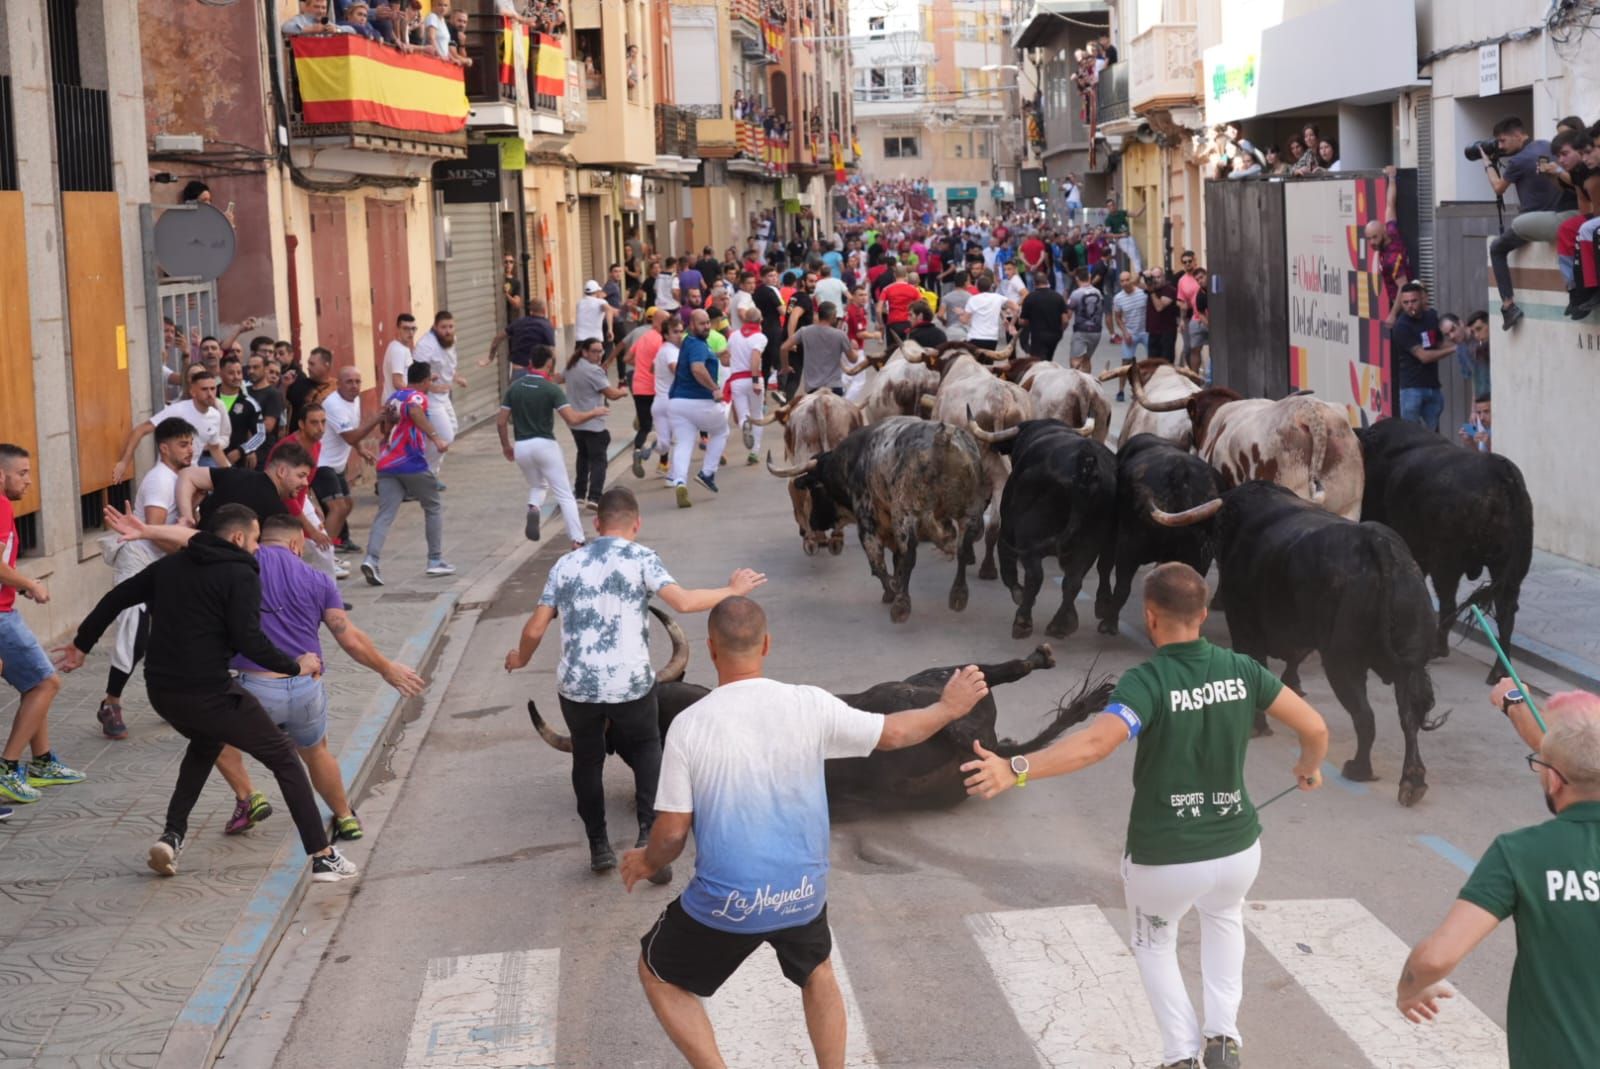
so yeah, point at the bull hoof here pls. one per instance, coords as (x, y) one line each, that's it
(1107, 627)
(988, 571)
(958, 599)
(1021, 628)
(836, 545)
(1059, 628)
(1411, 793)
(810, 548)
(1046, 655)
(1360, 772)
(1441, 649)
(887, 597)
(900, 611)
(1496, 674)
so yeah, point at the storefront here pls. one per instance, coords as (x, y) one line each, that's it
(469, 195)
(962, 199)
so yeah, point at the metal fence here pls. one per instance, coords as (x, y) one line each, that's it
(83, 138)
(191, 307)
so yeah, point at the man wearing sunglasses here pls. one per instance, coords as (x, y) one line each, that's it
(1548, 877)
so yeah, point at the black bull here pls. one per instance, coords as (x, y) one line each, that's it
(1460, 512)
(925, 775)
(1296, 579)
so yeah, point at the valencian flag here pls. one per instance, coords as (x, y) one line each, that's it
(346, 78)
(550, 68)
(513, 49)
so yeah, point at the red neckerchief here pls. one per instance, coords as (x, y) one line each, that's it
(540, 374)
(748, 329)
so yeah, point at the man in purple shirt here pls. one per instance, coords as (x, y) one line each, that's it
(1384, 238)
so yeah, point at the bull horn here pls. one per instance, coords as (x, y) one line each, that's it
(989, 437)
(678, 663)
(791, 473)
(926, 403)
(1188, 517)
(1155, 406)
(550, 735)
(767, 419)
(913, 353)
(1192, 376)
(1087, 428)
(1114, 373)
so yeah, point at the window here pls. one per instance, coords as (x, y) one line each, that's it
(591, 57)
(875, 27)
(878, 82)
(957, 150)
(967, 31)
(900, 148)
(983, 147)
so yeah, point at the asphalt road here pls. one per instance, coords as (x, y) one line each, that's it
(482, 854)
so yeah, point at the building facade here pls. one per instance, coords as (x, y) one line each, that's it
(1063, 138)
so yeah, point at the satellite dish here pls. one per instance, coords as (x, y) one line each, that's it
(194, 241)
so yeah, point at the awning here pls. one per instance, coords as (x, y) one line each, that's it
(961, 193)
(1041, 23)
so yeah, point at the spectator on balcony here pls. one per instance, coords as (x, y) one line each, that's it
(313, 19)
(1542, 202)
(1309, 160)
(507, 9)
(458, 38)
(1108, 49)
(436, 30)
(1328, 157)
(1276, 165)
(357, 20)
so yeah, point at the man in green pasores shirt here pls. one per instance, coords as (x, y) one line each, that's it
(1193, 833)
(1548, 877)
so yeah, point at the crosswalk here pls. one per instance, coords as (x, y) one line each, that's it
(1065, 973)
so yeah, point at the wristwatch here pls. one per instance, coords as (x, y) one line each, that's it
(1513, 697)
(1019, 767)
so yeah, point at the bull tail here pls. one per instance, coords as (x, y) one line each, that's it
(1090, 698)
(1311, 417)
(550, 735)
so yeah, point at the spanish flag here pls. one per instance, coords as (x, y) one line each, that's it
(345, 78)
(838, 159)
(513, 49)
(550, 72)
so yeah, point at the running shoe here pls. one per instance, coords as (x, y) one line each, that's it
(749, 434)
(332, 867)
(707, 481)
(14, 783)
(46, 771)
(341, 570)
(591, 505)
(5, 812)
(439, 486)
(247, 813)
(752, 459)
(683, 498)
(346, 829)
(163, 860)
(1222, 1052)
(601, 857)
(347, 546)
(638, 463)
(439, 567)
(369, 571)
(1510, 316)
(530, 526)
(1121, 397)
(1185, 1063)
(662, 467)
(110, 717)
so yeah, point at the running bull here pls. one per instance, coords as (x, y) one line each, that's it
(1295, 579)
(1460, 511)
(813, 424)
(927, 774)
(1154, 383)
(904, 481)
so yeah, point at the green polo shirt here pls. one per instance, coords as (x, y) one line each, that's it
(533, 400)
(1548, 877)
(1117, 221)
(1191, 708)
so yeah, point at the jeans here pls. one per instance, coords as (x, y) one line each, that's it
(1422, 404)
(393, 489)
(297, 704)
(633, 731)
(1499, 249)
(544, 468)
(23, 662)
(210, 721)
(590, 480)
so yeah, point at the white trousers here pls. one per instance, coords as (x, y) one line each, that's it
(749, 402)
(545, 468)
(661, 419)
(691, 417)
(1159, 897)
(1130, 249)
(442, 415)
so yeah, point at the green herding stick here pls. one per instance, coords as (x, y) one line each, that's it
(1505, 662)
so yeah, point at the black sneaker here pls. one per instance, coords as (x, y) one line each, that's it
(1589, 305)
(1222, 1052)
(530, 527)
(1510, 316)
(707, 481)
(347, 546)
(601, 857)
(638, 463)
(332, 867)
(111, 723)
(163, 859)
(1121, 397)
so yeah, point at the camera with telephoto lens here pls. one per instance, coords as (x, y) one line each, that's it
(1487, 149)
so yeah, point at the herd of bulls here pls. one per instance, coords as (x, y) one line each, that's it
(1322, 535)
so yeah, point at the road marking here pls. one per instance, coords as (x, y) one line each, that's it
(1450, 852)
(487, 1011)
(1347, 961)
(1074, 987)
(759, 1020)
(1332, 774)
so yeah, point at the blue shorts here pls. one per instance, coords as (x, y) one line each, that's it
(26, 663)
(297, 704)
(1131, 343)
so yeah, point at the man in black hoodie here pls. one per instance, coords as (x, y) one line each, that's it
(210, 594)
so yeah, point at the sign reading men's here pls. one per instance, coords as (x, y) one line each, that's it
(474, 180)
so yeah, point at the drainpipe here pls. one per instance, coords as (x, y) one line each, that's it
(291, 243)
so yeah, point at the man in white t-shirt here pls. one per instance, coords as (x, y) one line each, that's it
(437, 348)
(831, 289)
(397, 357)
(345, 430)
(595, 313)
(200, 411)
(744, 768)
(743, 387)
(982, 315)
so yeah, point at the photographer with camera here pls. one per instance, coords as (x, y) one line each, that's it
(1512, 159)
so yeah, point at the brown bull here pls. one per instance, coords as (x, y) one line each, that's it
(813, 424)
(1156, 382)
(1299, 442)
(1069, 395)
(968, 389)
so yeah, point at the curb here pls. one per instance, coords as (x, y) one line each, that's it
(1565, 666)
(225, 987)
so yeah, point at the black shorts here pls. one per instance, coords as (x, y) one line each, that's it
(681, 951)
(328, 484)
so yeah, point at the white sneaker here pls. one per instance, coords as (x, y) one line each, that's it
(332, 867)
(341, 570)
(439, 567)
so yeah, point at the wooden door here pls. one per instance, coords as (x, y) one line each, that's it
(18, 422)
(390, 271)
(330, 258)
(99, 332)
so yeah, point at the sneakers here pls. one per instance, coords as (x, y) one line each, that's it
(346, 829)
(662, 876)
(47, 771)
(1510, 316)
(662, 467)
(369, 572)
(332, 867)
(683, 497)
(638, 463)
(439, 567)
(530, 526)
(1186, 1063)
(346, 546)
(341, 570)
(14, 783)
(163, 859)
(601, 857)
(247, 813)
(752, 459)
(5, 812)
(1121, 397)
(707, 481)
(110, 716)
(1222, 1052)
(1587, 307)
(591, 505)
(749, 434)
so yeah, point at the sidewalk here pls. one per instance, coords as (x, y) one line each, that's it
(99, 958)
(1558, 621)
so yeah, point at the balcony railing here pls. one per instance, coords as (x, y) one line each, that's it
(348, 86)
(83, 138)
(1164, 68)
(677, 132)
(1112, 93)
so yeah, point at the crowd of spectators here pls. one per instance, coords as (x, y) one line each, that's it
(402, 24)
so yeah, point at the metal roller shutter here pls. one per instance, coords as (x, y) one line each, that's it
(472, 289)
(588, 210)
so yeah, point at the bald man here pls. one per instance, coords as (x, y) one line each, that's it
(696, 409)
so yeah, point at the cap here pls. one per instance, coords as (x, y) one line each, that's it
(591, 286)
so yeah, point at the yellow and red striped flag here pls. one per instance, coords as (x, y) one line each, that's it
(550, 72)
(513, 49)
(346, 78)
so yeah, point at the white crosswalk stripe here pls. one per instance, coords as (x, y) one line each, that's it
(487, 1011)
(759, 1021)
(1347, 960)
(1071, 981)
